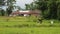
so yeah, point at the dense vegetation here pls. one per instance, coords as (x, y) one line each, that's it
(50, 9)
(26, 22)
(10, 6)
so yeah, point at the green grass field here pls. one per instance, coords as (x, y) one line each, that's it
(33, 30)
(26, 25)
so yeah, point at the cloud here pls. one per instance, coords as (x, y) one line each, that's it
(22, 3)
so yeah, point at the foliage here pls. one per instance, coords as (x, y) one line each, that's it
(27, 6)
(2, 2)
(50, 9)
(2, 12)
(10, 6)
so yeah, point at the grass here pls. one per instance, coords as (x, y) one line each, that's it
(25, 30)
(26, 25)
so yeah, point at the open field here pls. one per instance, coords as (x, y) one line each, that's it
(25, 30)
(27, 25)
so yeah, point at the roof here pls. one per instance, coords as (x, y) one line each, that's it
(27, 12)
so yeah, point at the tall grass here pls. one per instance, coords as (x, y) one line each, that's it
(27, 25)
(25, 22)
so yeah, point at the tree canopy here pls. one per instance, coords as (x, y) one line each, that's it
(50, 8)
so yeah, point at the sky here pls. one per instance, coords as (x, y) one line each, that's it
(22, 3)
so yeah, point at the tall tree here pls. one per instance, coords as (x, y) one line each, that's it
(10, 3)
(41, 5)
(2, 3)
(53, 9)
(50, 9)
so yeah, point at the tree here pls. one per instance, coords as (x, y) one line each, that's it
(9, 10)
(2, 2)
(49, 8)
(18, 7)
(41, 5)
(52, 9)
(10, 6)
(31, 6)
(27, 6)
(2, 12)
